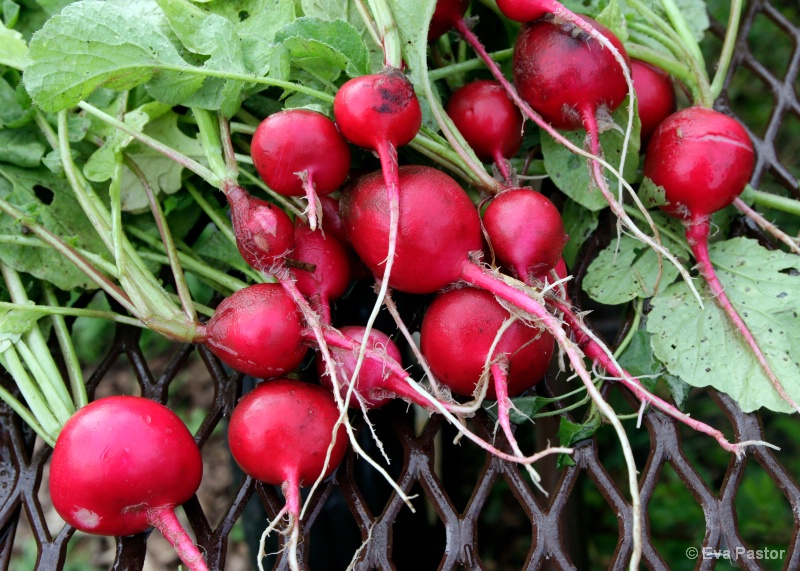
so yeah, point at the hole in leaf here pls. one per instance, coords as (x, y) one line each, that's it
(43, 193)
(244, 15)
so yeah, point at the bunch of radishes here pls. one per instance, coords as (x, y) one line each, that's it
(501, 311)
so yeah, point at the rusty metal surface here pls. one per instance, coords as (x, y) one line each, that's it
(452, 509)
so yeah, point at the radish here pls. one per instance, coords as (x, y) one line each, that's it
(332, 220)
(488, 120)
(285, 433)
(328, 274)
(377, 384)
(655, 94)
(445, 16)
(264, 233)
(257, 331)
(120, 465)
(703, 160)
(458, 331)
(300, 152)
(525, 231)
(438, 227)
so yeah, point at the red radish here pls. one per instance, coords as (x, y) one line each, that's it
(703, 160)
(120, 465)
(445, 16)
(458, 331)
(526, 10)
(488, 120)
(331, 274)
(300, 152)
(376, 384)
(258, 331)
(281, 433)
(565, 76)
(264, 232)
(438, 228)
(525, 231)
(655, 94)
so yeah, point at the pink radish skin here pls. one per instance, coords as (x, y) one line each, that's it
(280, 433)
(703, 160)
(264, 233)
(438, 228)
(526, 10)
(332, 220)
(257, 331)
(457, 332)
(445, 16)
(375, 383)
(567, 76)
(300, 152)
(655, 94)
(526, 232)
(120, 465)
(331, 274)
(488, 120)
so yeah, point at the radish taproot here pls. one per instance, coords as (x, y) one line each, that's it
(258, 331)
(488, 120)
(301, 152)
(264, 233)
(120, 465)
(286, 433)
(703, 160)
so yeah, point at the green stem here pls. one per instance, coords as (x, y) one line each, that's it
(30, 392)
(637, 320)
(34, 242)
(468, 65)
(774, 201)
(36, 354)
(220, 221)
(280, 199)
(388, 32)
(154, 144)
(231, 166)
(679, 240)
(166, 239)
(47, 129)
(242, 128)
(72, 255)
(662, 61)
(115, 196)
(728, 48)
(209, 138)
(681, 27)
(27, 416)
(567, 408)
(58, 311)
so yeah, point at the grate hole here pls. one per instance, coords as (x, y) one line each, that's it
(776, 54)
(676, 520)
(408, 552)
(787, 144)
(763, 512)
(748, 100)
(504, 530)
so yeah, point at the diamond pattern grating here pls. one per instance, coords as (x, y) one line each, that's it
(427, 453)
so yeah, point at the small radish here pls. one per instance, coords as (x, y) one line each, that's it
(258, 331)
(376, 384)
(565, 76)
(264, 233)
(281, 433)
(120, 465)
(438, 228)
(445, 16)
(300, 152)
(488, 120)
(703, 160)
(526, 232)
(330, 275)
(655, 94)
(458, 331)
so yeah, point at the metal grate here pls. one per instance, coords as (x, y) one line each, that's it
(454, 537)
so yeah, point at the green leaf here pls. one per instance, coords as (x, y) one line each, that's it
(10, 13)
(579, 224)
(571, 173)
(219, 251)
(14, 323)
(62, 215)
(22, 147)
(703, 348)
(12, 113)
(639, 361)
(12, 48)
(324, 48)
(348, 11)
(613, 18)
(570, 433)
(626, 270)
(92, 44)
(650, 194)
